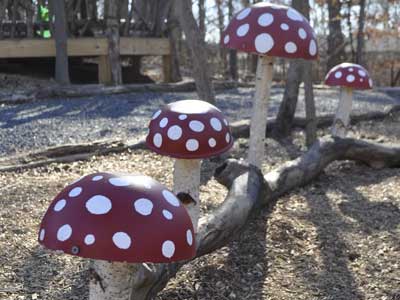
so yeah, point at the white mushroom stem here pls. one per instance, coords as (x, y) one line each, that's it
(342, 117)
(111, 280)
(187, 180)
(258, 123)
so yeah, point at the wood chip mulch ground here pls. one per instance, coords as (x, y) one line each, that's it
(338, 238)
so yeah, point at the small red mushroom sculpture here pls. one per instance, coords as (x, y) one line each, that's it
(268, 30)
(117, 220)
(189, 130)
(349, 77)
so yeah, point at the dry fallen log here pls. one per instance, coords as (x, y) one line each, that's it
(242, 128)
(249, 190)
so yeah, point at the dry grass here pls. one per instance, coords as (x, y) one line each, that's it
(338, 238)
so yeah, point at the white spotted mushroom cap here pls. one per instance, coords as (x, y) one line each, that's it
(273, 30)
(349, 75)
(130, 218)
(189, 129)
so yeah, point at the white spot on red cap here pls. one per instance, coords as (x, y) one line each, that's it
(294, 15)
(284, 26)
(167, 214)
(42, 234)
(265, 19)
(75, 192)
(171, 199)
(226, 39)
(64, 233)
(227, 137)
(192, 145)
(168, 249)
(89, 239)
(362, 73)
(196, 126)
(60, 205)
(122, 240)
(302, 34)
(290, 47)
(144, 206)
(350, 78)
(163, 122)
(97, 178)
(174, 132)
(313, 48)
(212, 142)
(121, 181)
(351, 69)
(338, 74)
(98, 205)
(243, 30)
(156, 114)
(157, 140)
(264, 43)
(216, 124)
(182, 117)
(243, 14)
(189, 237)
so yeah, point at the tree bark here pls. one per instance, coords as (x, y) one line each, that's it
(202, 18)
(222, 50)
(198, 50)
(360, 34)
(249, 190)
(111, 12)
(311, 119)
(336, 53)
(3, 5)
(61, 38)
(233, 69)
(175, 37)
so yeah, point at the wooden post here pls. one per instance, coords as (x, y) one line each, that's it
(104, 69)
(167, 68)
(60, 37)
(111, 9)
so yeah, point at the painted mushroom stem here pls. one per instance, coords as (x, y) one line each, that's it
(111, 280)
(342, 117)
(265, 69)
(187, 180)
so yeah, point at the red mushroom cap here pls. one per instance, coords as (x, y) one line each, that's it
(189, 129)
(349, 75)
(130, 218)
(273, 30)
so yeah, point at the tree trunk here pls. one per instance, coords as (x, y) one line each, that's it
(336, 44)
(350, 28)
(249, 190)
(111, 12)
(61, 37)
(202, 18)
(198, 50)
(233, 69)
(175, 37)
(3, 5)
(311, 126)
(360, 34)
(222, 50)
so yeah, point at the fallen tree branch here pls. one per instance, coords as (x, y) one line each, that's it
(242, 128)
(249, 190)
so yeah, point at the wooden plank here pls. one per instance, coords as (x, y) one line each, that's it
(46, 47)
(144, 46)
(104, 69)
(82, 47)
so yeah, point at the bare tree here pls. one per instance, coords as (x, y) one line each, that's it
(198, 50)
(336, 44)
(175, 36)
(233, 68)
(61, 38)
(360, 34)
(111, 13)
(202, 18)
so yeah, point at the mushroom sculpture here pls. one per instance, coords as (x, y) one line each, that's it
(268, 30)
(189, 130)
(117, 220)
(348, 76)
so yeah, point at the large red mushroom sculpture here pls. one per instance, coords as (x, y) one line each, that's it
(268, 30)
(349, 77)
(189, 131)
(118, 221)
